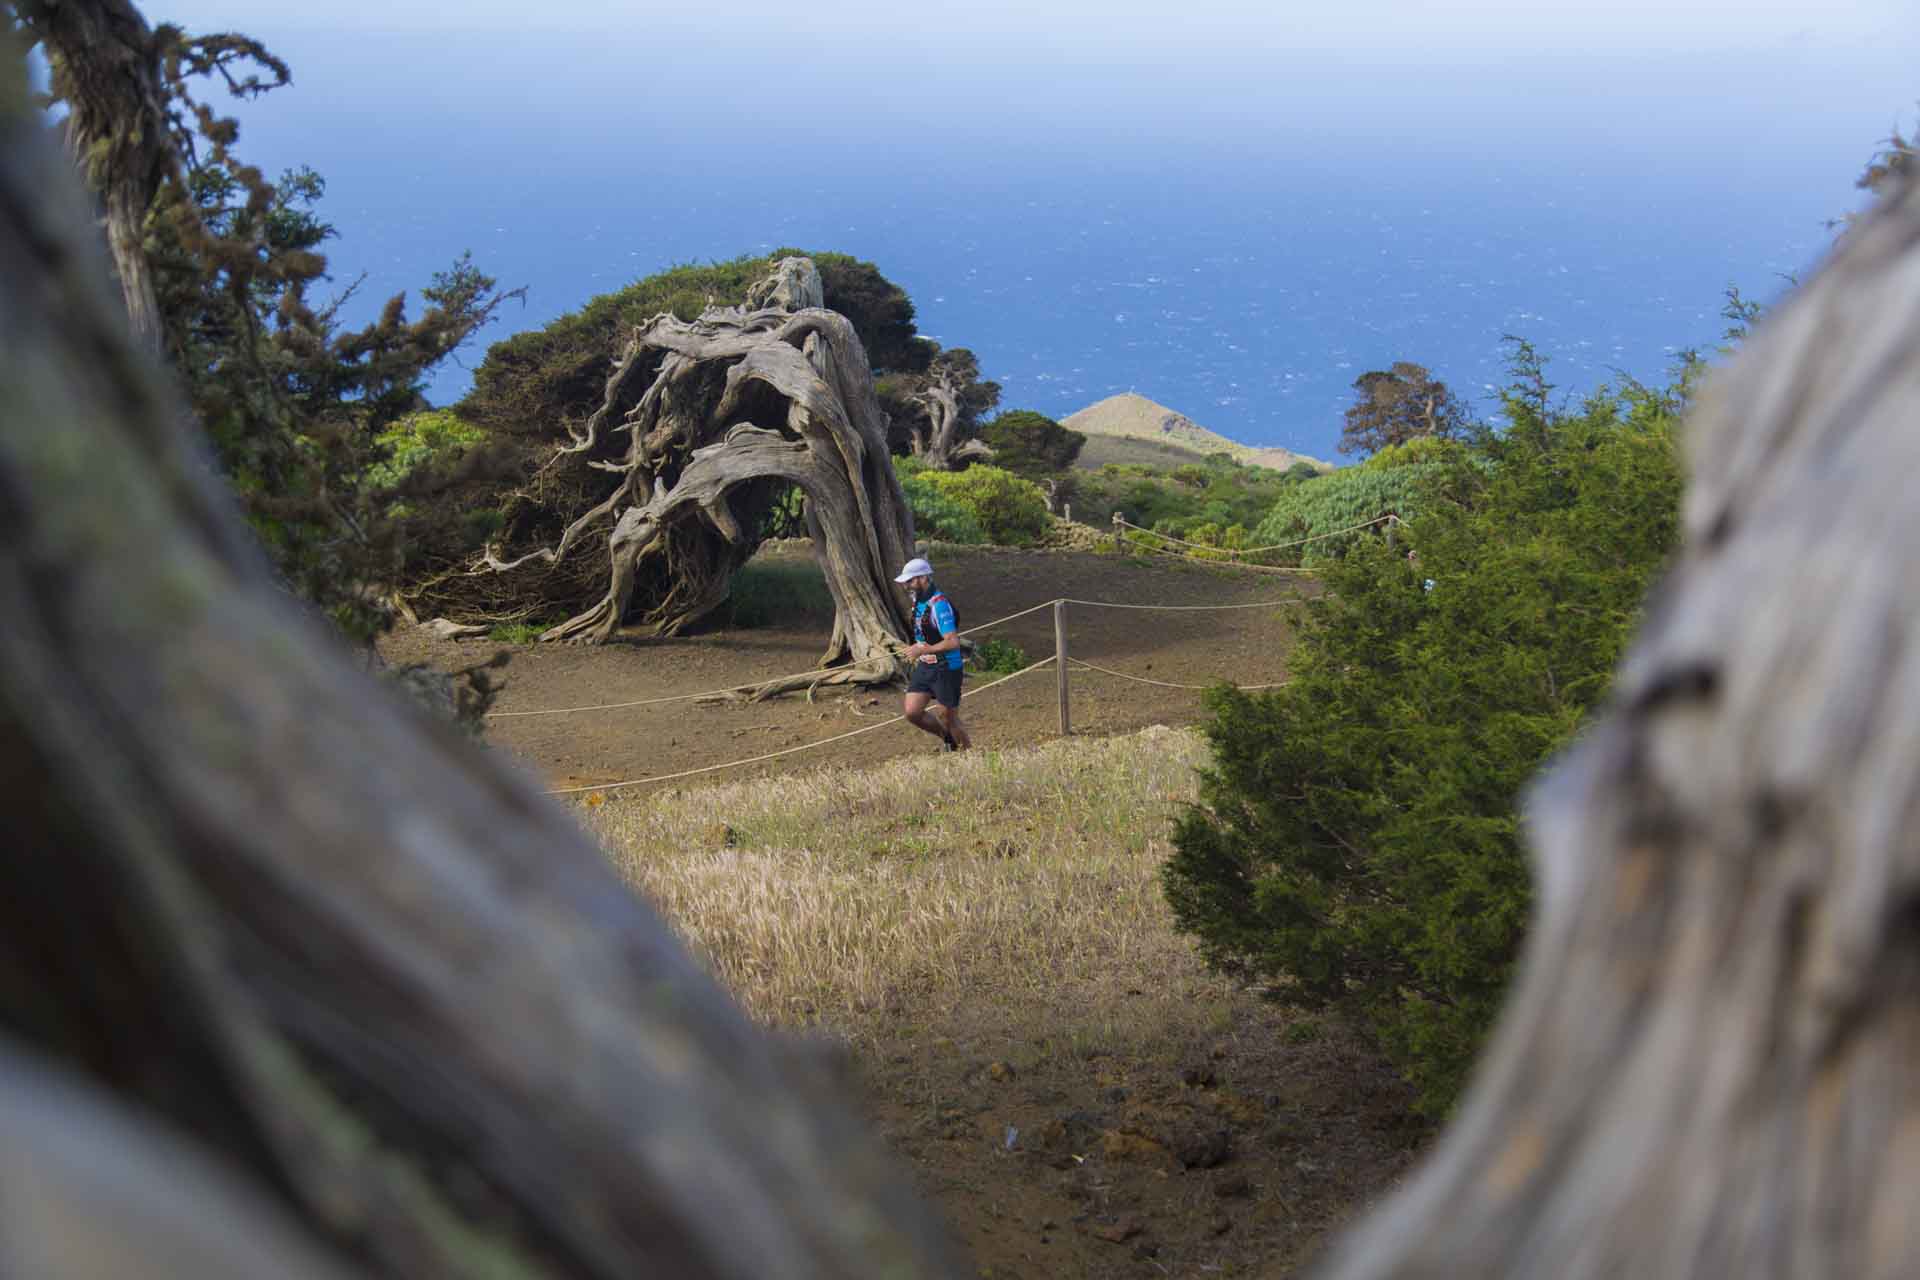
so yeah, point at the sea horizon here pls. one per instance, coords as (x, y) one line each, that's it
(1237, 236)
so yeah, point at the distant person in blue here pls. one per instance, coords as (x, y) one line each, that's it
(935, 659)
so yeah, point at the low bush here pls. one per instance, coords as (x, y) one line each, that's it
(1219, 491)
(978, 505)
(769, 592)
(1340, 500)
(431, 436)
(935, 515)
(997, 657)
(1011, 510)
(517, 632)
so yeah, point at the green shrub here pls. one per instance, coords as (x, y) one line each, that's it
(1340, 500)
(787, 517)
(1409, 452)
(1357, 841)
(1012, 511)
(517, 632)
(767, 593)
(935, 515)
(980, 504)
(998, 657)
(1219, 491)
(431, 436)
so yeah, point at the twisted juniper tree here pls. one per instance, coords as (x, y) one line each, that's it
(706, 425)
(936, 410)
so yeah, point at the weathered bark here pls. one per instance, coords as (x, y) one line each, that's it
(107, 63)
(736, 403)
(92, 1190)
(390, 987)
(1708, 1068)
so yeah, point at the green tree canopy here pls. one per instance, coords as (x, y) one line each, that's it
(1395, 405)
(1357, 839)
(534, 381)
(1031, 444)
(216, 263)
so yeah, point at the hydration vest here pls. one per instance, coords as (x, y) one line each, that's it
(927, 630)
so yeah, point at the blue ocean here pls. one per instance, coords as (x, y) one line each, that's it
(1243, 273)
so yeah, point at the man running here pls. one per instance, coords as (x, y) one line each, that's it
(935, 659)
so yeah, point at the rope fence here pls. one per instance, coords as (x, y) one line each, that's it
(785, 751)
(1165, 684)
(1217, 564)
(738, 688)
(1059, 659)
(1389, 518)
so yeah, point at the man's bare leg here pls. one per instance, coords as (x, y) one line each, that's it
(954, 727)
(915, 710)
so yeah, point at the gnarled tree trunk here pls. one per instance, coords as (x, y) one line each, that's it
(1709, 1066)
(938, 442)
(721, 415)
(389, 986)
(107, 63)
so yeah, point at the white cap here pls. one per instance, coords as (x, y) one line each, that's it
(915, 568)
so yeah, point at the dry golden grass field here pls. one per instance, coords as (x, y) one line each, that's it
(980, 940)
(986, 951)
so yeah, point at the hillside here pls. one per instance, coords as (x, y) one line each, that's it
(1131, 417)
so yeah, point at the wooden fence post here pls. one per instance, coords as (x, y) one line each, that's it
(1119, 534)
(1060, 662)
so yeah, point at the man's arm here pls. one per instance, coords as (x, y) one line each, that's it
(949, 637)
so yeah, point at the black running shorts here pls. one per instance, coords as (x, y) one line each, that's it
(937, 679)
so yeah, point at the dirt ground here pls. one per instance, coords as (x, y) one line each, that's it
(1227, 1140)
(593, 748)
(1232, 1151)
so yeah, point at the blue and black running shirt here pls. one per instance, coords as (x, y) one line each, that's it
(934, 621)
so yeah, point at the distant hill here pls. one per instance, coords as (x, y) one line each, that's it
(1132, 428)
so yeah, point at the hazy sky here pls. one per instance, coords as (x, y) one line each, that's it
(1212, 24)
(1067, 63)
(598, 141)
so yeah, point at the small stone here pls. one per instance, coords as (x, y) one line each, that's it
(1117, 1232)
(1220, 1224)
(1000, 1072)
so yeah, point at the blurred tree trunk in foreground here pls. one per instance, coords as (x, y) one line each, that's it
(250, 896)
(1711, 1065)
(410, 1009)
